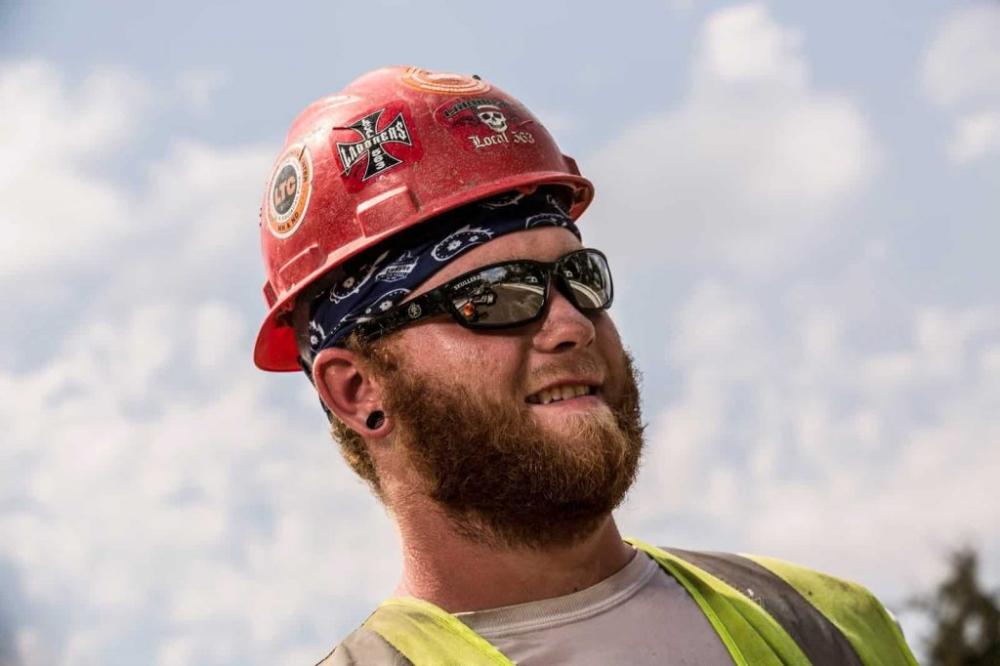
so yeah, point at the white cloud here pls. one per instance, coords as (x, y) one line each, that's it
(195, 210)
(680, 6)
(161, 501)
(744, 45)
(558, 123)
(962, 63)
(42, 115)
(961, 72)
(142, 504)
(213, 194)
(975, 136)
(56, 212)
(200, 225)
(750, 167)
(788, 437)
(197, 88)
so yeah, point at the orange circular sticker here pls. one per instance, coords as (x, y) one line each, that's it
(288, 191)
(443, 82)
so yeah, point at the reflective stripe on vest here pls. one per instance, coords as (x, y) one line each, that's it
(765, 612)
(874, 634)
(818, 638)
(426, 634)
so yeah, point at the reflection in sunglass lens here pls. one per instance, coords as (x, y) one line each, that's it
(588, 279)
(514, 293)
(502, 295)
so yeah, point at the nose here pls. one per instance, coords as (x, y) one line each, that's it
(563, 326)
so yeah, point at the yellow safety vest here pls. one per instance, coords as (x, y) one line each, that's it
(764, 610)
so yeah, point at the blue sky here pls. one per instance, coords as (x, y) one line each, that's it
(799, 201)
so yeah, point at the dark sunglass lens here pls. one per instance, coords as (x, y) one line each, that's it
(588, 278)
(501, 296)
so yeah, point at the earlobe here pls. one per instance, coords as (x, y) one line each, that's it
(348, 390)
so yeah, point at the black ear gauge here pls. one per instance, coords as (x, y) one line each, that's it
(375, 419)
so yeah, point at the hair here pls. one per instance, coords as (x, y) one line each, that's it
(354, 449)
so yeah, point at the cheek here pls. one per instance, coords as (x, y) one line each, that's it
(493, 364)
(607, 336)
(609, 346)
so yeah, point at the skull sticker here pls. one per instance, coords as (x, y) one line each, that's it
(487, 124)
(492, 117)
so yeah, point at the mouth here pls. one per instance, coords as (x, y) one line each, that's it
(561, 393)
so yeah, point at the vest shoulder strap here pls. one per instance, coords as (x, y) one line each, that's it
(829, 620)
(818, 638)
(856, 612)
(426, 634)
(364, 647)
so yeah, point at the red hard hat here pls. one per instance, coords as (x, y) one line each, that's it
(396, 147)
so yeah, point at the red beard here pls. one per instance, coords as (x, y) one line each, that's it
(504, 479)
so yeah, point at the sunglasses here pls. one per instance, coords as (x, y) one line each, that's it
(504, 295)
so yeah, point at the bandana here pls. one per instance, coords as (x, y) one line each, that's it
(383, 276)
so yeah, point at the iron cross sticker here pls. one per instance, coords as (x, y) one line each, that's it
(375, 143)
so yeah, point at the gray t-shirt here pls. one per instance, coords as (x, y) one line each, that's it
(638, 616)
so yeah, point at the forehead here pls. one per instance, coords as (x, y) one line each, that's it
(543, 244)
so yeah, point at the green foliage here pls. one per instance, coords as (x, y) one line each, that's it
(965, 618)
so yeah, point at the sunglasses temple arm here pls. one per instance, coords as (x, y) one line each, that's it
(421, 307)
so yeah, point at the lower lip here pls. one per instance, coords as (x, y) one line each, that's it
(579, 403)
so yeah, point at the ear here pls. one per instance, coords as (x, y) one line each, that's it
(349, 390)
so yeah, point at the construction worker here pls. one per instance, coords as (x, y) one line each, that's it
(426, 270)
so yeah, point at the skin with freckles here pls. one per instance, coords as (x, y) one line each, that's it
(498, 499)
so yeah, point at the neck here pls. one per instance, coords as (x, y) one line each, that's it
(457, 574)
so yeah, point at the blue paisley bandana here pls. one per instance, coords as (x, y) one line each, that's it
(384, 275)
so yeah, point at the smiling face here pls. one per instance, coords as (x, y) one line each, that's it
(524, 436)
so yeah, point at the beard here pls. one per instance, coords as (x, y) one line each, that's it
(502, 478)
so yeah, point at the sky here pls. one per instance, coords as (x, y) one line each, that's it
(799, 202)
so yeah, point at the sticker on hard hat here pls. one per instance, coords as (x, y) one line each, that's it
(444, 83)
(484, 123)
(288, 191)
(375, 143)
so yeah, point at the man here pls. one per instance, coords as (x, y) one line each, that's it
(426, 271)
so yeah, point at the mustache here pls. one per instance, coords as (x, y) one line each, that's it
(587, 364)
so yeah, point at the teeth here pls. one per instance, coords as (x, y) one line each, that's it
(545, 396)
